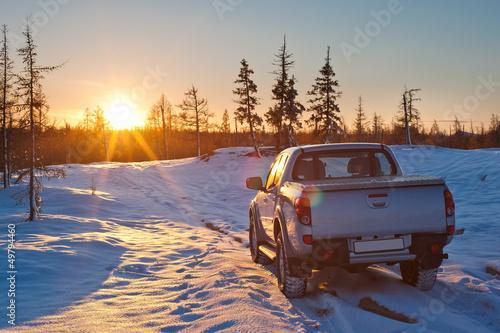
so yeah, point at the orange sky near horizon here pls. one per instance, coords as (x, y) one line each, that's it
(121, 55)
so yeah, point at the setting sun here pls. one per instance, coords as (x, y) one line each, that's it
(122, 116)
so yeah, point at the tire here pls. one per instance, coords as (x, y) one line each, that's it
(291, 287)
(257, 256)
(414, 275)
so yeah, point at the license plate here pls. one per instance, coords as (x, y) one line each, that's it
(379, 245)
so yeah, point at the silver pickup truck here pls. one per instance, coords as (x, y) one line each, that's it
(348, 205)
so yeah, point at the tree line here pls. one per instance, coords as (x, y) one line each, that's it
(31, 142)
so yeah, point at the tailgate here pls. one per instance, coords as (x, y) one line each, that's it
(383, 206)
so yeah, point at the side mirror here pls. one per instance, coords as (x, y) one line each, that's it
(254, 183)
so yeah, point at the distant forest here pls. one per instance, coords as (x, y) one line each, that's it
(27, 131)
(82, 144)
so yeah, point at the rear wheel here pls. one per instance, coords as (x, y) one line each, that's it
(257, 256)
(414, 275)
(291, 287)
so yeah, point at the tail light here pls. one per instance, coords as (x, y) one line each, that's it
(303, 210)
(449, 203)
(327, 255)
(435, 248)
(308, 239)
(450, 230)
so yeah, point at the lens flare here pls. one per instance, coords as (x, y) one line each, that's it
(315, 196)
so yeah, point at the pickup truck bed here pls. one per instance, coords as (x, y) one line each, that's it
(375, 206)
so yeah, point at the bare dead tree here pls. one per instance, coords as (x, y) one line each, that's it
(164, 106)
(377, 124)
(192, 103)
(28, 82)
(6, 65)
(408, 113)
(153, 119)
(360, 120)
(276, 114)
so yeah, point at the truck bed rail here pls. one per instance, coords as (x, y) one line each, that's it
(343, 184)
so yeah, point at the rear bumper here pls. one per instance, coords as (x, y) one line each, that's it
(337, 252)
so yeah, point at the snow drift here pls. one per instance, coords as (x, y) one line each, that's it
(162, 247)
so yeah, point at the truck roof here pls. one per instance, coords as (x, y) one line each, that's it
(321, 147)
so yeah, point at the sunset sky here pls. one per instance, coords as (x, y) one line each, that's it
(125, 52)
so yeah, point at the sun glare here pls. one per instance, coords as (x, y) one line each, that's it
(122, 116)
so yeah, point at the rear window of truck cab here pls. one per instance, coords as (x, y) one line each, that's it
(343, 164)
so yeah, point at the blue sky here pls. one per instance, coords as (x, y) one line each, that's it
(132, 51)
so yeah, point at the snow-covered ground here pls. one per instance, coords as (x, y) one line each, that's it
(162, 247)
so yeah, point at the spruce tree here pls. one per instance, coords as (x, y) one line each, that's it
(225, 127)
(247, 101)
(292, 110)
(434, 134)
(494, 130)
(99, 123)
(324, 103)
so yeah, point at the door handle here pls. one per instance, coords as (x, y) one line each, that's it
(378, 200)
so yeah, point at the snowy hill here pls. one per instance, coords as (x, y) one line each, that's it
(162, 247)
